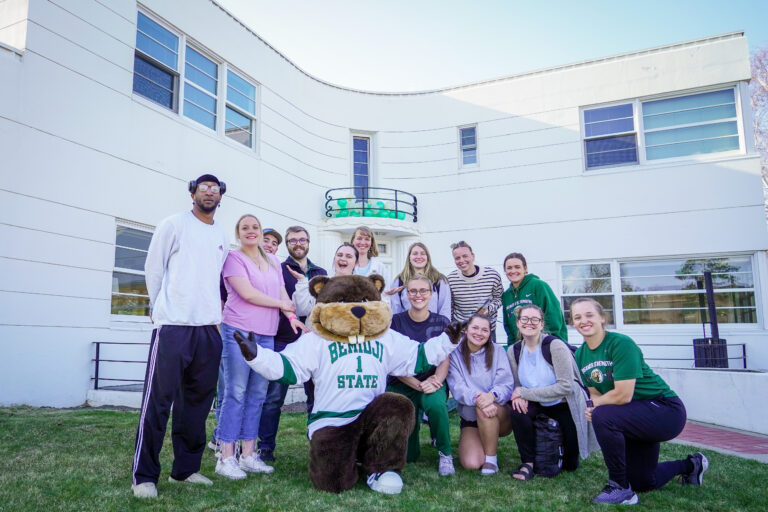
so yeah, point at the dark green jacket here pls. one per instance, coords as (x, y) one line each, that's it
(534, 291)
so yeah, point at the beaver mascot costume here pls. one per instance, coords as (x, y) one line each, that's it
(348, 355)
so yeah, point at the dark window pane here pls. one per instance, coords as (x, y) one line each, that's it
(361, 181)
(153, 73)
(611, 144)
(130, 305)
(135, 238)
(360, 144)
(123, 282)
(606, 113)
(361, 169)
(611, 158)
(130, 258)
(152, 91)
(469, 156)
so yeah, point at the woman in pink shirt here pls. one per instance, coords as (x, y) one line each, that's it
(256, 297)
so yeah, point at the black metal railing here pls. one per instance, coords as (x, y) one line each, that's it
(99, 359)
(370, 202)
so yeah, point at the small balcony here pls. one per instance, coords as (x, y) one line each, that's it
(386, 209)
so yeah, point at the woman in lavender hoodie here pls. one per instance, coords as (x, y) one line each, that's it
(480, 378)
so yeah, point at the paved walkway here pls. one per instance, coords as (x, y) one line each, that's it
(739, 443)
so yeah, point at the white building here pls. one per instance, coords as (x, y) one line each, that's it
(616, 177)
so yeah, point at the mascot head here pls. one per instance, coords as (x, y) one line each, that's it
(349, 308)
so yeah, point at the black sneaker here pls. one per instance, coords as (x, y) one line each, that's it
(615, 494)
(266, 455)
(700, 466)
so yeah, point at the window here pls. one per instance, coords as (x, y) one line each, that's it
(200, 84)
(361, 155)
(159, 76)
(468, 141)
(241, 109)
(667, 291)
(129, 290)
(681, 126)
(691, 125)
(155, 64)
(609, 136)
(588, 280)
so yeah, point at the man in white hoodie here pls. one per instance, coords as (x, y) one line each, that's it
(182, 269)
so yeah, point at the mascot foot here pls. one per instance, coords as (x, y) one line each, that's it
(388, 482)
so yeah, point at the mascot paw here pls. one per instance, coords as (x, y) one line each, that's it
(248, 346)
(454, 331)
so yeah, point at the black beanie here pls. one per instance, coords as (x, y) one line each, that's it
(207, 177)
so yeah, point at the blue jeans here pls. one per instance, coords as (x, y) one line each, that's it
(244, 390)
(270, 414)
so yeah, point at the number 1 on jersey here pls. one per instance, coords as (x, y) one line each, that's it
(359, 364)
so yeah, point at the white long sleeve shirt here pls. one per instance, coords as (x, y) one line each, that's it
(182, 271)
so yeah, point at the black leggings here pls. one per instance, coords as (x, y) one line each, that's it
(630, 436)
(525, 433)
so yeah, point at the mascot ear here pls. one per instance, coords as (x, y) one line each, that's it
(377, 281)
(316, 284)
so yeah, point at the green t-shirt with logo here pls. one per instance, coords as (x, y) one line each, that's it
(619, 358)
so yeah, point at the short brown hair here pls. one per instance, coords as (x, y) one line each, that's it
(295, 229)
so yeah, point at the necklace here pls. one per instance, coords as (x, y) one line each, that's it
(258, 261)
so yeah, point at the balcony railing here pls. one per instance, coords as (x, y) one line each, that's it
(370, 202)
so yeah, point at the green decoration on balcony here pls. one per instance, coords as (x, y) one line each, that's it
(401, 215)
(342, 204)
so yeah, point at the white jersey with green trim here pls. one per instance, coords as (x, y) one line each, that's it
(348, 377)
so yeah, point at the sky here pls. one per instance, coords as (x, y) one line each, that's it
(416, 45)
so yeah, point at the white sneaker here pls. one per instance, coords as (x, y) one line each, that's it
(145, 490)
(194, 478)
(388, 482)
(254, 464)
(228, 468)
(445, 466)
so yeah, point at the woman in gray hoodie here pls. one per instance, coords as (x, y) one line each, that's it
(481, 381)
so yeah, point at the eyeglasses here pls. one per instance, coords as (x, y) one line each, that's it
(533, 320)
(213, 188)
(423, 292)
(296, 241)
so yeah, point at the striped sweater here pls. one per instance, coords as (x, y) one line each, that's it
(468, 294)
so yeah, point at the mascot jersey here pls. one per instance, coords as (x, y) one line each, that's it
(348, 376)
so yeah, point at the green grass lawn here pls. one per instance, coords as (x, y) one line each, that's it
(80, 459)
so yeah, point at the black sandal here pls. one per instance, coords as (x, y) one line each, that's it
(525, 470)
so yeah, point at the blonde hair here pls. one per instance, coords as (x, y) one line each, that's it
(373, 250)
(589, 300)
(262, 252)
(408, 272)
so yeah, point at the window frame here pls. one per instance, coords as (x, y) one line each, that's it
(585, 138)
(187, 82)
(175, 73)
(138, 227)
(618, 294)
(639, 130)
(462, 148)
(181, 81)
(371, 139)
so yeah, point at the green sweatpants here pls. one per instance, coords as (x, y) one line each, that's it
(435, 408)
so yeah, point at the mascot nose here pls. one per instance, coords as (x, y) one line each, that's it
(358, 311)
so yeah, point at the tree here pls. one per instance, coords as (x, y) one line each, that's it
(758, 89)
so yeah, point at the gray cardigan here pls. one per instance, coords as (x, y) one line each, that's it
(568, 376)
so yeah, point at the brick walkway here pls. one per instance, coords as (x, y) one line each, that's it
(729, 441)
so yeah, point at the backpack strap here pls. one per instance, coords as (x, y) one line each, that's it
(546, 350)
(516, 351)
(400, 293)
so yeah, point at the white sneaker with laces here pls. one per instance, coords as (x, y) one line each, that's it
(194, 478)
(229, 468)
(445, 466)
(388, 482)
(254, 464)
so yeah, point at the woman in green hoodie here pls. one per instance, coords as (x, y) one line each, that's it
(524, 289)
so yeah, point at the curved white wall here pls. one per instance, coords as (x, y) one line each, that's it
(80, 150)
